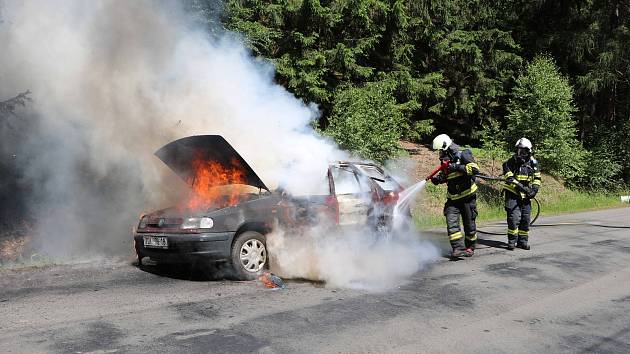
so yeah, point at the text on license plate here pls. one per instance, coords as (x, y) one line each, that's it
(155, 241)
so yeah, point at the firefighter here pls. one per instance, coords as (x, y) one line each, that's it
(522, 181)
(461, 195)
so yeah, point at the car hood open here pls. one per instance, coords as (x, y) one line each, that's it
(181, 155)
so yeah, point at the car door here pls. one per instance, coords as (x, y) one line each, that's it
(352, 196)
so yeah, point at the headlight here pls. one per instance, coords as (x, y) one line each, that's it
(143, 222)
(197, 223)
(206, 223)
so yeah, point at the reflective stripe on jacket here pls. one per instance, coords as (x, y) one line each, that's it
(526, 174)
(461, 184)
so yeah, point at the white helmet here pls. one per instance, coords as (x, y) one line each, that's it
(524, 143)
(442, 142)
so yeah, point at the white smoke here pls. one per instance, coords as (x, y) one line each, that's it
(357, 258)
(114, 80)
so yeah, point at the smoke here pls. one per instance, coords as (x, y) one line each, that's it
(357, 258)
(112, 81)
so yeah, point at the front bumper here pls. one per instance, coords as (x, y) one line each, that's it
(184, 248)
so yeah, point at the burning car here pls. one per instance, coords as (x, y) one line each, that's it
(231, 209)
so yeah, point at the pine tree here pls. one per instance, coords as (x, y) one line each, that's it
(541, 110)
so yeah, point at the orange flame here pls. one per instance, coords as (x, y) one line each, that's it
(215, 185)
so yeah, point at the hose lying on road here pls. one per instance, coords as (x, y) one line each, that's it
(591, 223)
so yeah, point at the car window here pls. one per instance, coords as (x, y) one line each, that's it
(373, 172)
(345, 181)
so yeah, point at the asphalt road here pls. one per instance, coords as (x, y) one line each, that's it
(570, 293)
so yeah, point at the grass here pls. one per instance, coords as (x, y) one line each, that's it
(554, 199)
(567, 202)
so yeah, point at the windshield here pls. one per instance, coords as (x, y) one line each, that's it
(378, 175)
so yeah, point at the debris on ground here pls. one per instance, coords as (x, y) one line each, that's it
(271, 280)
(13, 249)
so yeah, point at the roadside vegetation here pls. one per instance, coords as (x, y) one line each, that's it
(554, 198)
(484, 72)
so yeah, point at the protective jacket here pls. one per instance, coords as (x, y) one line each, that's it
(526, 173)
(522, 181)
(461, 198)
(460, 181)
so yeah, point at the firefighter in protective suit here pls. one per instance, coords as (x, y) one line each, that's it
(522, 181)
(461, 194)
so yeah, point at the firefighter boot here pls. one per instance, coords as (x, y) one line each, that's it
(522, 243)
(511, 243)
(470, 246)
(459, 249)
(462, 252)
(512, 235)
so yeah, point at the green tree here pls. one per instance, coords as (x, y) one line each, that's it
(590, 41)
(541, 109)
(367, 120)
(452, 65)
(447, 67)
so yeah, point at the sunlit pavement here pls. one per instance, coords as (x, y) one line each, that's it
(570, 293)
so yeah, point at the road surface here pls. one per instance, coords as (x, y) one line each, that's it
(570, 293)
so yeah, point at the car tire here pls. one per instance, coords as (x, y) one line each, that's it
(249, 255)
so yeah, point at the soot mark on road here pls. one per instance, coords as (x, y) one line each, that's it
(78, 287)
(625, 299)
(586, 342)
(614, 245)
(96, 336)
(605, 329)
(566, 261)
(200, 341)
(336, 315)
(605, 243)
(515, 269)
(193, 311)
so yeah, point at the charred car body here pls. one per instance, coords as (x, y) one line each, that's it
(232, 210)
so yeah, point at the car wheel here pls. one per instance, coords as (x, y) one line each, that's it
(249, 255)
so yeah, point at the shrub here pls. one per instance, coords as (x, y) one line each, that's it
(540, 109)
(367, 120)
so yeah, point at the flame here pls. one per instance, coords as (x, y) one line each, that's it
(215, 185)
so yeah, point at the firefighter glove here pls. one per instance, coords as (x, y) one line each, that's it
(437, 179)
(529, 192)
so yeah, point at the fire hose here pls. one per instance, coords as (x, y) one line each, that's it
(496, 179)
(444, 167)
(586, 223)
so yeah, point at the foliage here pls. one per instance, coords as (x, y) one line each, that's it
(451, 67)
(367, 120)
(492, 141)
(589, 40)
(448, 69)
(541, 109)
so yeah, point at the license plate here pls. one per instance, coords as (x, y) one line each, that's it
(155, 241)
